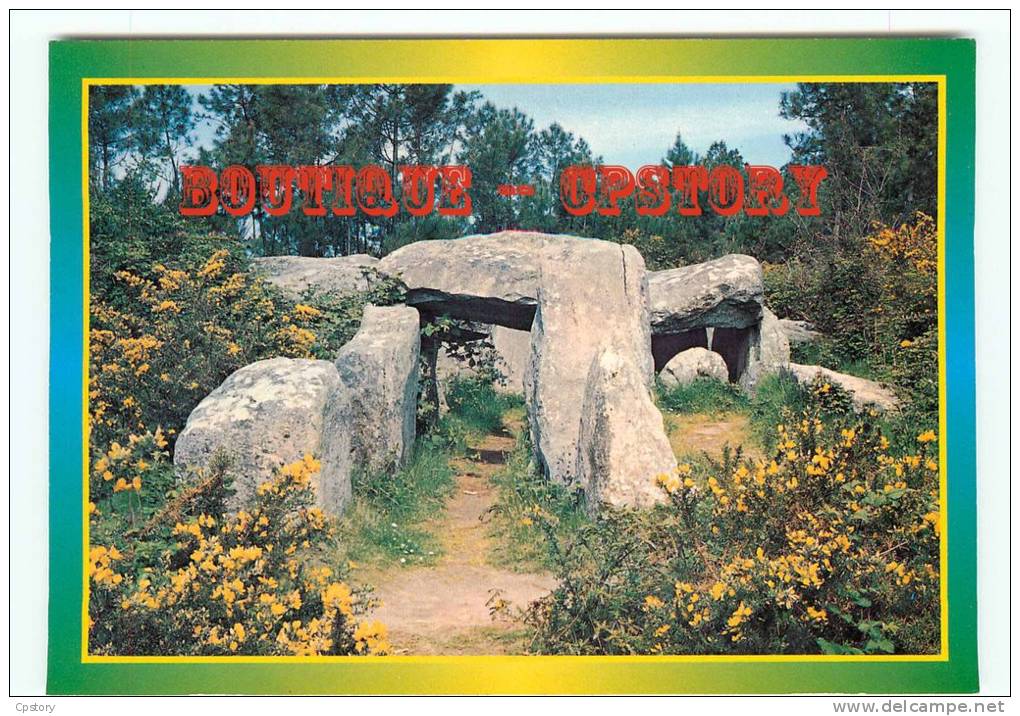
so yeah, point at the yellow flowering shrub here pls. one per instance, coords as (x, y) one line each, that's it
(258, 581)
(173, 311)
(830, 544)
(906, 319)
(166, 337)
(163, 337)
(912, 244)
(120, 471)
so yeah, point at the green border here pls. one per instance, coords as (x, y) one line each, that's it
(510, 61)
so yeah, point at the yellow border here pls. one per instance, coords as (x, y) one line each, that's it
(940, 80)
(85, 429)
(509, 79)
(940, 224)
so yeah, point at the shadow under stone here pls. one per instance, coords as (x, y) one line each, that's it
(667, 345)
(733, 344)
(491, 457)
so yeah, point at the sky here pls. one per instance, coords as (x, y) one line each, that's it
(636, 124)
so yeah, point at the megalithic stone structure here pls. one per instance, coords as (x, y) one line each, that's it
(599, 324)
(356, 414)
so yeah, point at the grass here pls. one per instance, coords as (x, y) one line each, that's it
(703, 395)
(477, 409)
(696, 434)
(705, 400)
(477, 406)
(823, 352)
(388, 520)
(523, 492)
(777, 396)
(391, 519)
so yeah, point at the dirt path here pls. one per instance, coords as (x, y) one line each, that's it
(692, 434)
(442, 609)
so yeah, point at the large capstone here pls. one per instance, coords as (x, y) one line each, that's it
(727, 292)
(378, 372)
(622, 446)
(266, 415)
(490, 279)
(495, 279)
(592, 298)
(339, 276)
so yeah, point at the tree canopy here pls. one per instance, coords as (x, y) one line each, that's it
(878, 142)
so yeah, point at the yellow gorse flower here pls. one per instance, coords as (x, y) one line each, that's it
(653, 602)
(305, 311)
(818, 615)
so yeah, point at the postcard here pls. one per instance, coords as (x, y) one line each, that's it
(512, 366)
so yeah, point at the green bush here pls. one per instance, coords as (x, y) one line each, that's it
(876, 301)
(915, 370)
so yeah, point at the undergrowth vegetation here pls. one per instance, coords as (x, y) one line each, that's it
(475, 407)
(387, 522)
(196, 579)
(828, 545)
(164, 333)
(876, 305)
(523, 496)
(702, 395)
(774, 396)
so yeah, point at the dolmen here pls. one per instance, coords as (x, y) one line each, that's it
(578, 325)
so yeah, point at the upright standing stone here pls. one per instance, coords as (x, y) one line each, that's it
(592, 298)
(512, 348)
(505, 349)
(264, 416)
(378, 372)
(768, 352)
(622, 447)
